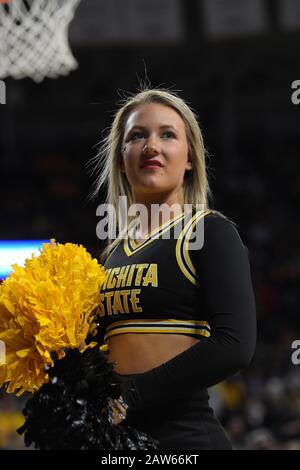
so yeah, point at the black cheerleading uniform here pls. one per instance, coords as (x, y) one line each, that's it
(191, 285)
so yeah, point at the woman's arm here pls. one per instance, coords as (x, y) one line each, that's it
(224, 272)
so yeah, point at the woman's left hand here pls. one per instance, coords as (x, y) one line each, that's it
(117, 410)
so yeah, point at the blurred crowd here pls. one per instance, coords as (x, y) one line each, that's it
(260, 408)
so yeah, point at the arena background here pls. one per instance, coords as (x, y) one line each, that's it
(235, 62)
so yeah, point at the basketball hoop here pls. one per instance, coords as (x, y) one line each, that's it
(34, 38)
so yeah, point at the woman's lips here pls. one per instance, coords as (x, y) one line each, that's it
(152, 164)
(151, 167)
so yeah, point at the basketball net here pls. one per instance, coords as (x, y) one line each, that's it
(34, 38)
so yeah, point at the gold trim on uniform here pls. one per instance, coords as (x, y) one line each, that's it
(199, 328)
(131, 247)
(182, 253)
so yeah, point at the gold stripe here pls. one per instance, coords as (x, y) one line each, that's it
(157, 229)
(196, 331)
(159, 330)
(169, 321)
(186, 242)
(182, 241)
(157, 232)
(130, 252)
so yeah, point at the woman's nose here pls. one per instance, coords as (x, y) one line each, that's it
(150, 147)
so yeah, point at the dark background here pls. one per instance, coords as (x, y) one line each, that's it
(234, 62)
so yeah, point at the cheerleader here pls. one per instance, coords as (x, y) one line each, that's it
(177, 309)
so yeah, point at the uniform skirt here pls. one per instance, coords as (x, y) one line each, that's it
(185, 422)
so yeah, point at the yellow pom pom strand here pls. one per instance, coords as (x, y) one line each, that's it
(47, 306)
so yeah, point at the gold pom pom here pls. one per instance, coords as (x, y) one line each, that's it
(47, 306)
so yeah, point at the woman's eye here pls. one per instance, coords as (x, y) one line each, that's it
(168, 134)
(136, 135)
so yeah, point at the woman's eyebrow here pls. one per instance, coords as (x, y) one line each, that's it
(169, 126)
(143, 128)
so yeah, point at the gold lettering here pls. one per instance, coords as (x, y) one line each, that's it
(151, 276)
(108, 297)
(117, 305)
(121, 282)
(112, 279)
(125, 294)
(129, 279)
(104, 285)
(101, 306)
(134, 300)
(140, 268)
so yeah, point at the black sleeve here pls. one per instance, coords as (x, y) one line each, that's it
(223, 268)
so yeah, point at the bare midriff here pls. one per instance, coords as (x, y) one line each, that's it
(135, 353)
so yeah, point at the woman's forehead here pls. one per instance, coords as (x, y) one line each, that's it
(154, 114)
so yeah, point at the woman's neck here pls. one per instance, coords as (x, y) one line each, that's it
(156, 213)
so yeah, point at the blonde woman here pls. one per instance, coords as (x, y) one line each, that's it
(178, 310)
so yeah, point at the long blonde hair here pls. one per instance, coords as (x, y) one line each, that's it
(196, 189)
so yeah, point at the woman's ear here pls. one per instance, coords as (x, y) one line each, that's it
(188, 165)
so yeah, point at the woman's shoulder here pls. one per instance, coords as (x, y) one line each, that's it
(213, 219)
(214, 216)
(220, 230)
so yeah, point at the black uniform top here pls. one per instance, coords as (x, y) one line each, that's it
(157, 279)
(210, 284)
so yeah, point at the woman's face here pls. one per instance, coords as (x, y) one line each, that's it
(155, 152)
